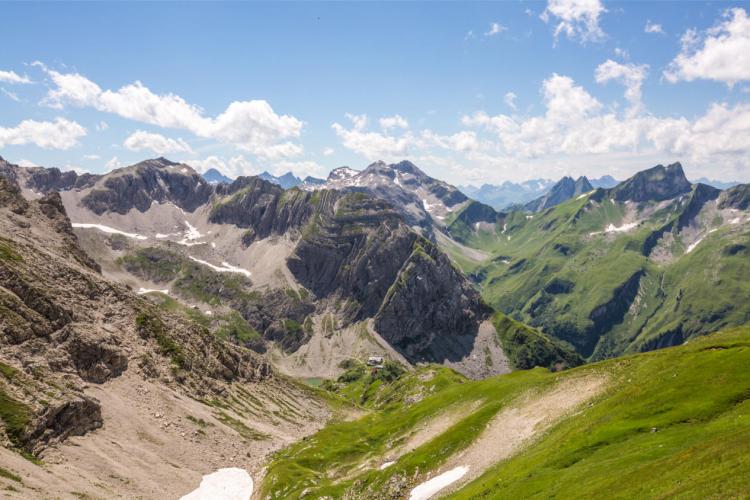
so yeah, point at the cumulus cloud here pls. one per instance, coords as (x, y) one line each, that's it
(630, 75)
(328, 151)
(576, 19)
(141, 141)
(372, 145)
(251, 126)
(510, 100)
(495, 29)
(463, 141)
(13, 77)
(91, 157)
(721, 53)
(58, 134)
(721, 135)
(653, 28)
(395, 121)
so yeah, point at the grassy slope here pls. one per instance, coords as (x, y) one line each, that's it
(556, 245)
(672, 422)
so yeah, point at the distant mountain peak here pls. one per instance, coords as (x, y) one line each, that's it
(213, 176)
(565, 189)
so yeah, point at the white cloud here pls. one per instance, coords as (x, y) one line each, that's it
(720, 137)
(102, 126)
(495, 29)
(372, 145)
(629, 75)
(721, 53)
(653, 28)
(623, 53)
(26, 163)
(463, 141)
(395, 121)
(13, 77)
(141, 140)
(58, 134)
(576, 19)
(91, 157)
(10, 95)
(113, 164)
(510, 100)
(328, 151)
(251, 126)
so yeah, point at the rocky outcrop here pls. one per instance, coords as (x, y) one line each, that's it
(737, 197)
(62, 325)
(264, 208)
(655, 184)
(140, 185)
(430, 312)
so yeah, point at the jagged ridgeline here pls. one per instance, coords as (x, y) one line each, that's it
(649, 263)
(310, 276)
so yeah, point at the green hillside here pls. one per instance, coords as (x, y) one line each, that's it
(673, 422)
(614, 277)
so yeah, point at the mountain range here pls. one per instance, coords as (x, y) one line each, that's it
(197, 320)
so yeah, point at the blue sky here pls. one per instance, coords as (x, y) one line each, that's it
(470, 92)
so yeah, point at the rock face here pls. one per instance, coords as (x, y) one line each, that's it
(139, 186)
(62, 324)
(655, 184)
(264, 208)
(737, 197)
(45, 180)
(564, 190)
(356, 251)
(430, 312)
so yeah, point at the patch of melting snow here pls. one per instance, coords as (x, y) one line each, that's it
(191, 235)
(386, 465)
(529, 217)
(429, 488)
(616, 229)
(225, 484)
(427, 206)
(142, 291)
(109, 230)
(505, 228)
(224, 268)
(736, 220)
(692, 246)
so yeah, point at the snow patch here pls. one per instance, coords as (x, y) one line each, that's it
(692, 246)
(429, 488)
(224, 484)
(109, 230)
(191, 235)
(386, 465)
(736, 220)
(142, 291)
(224, 268)
(427, 206)
(529, 217)
(616, 229)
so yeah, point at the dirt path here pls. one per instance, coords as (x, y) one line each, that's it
(516, 426)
